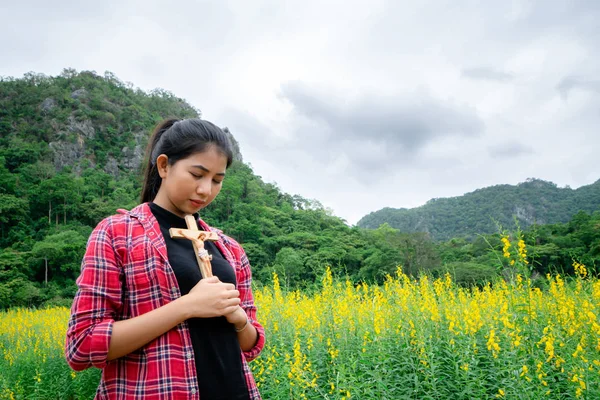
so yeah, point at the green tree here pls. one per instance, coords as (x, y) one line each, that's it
(61, 255)
(289, 266)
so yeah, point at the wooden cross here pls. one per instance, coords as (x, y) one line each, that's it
(197, 237)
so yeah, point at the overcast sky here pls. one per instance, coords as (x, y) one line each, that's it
(358, 104)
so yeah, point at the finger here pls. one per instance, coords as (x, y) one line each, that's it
(229, 310)
(229, 286)
(210, 279)
(225, 303)
(234, 302)
(227, 306)
(233, 293)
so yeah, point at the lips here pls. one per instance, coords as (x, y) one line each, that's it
(197, 203)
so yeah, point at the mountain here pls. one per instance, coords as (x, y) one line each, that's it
(532, 201)
(81, 119)
(71, 149)
(71, 153)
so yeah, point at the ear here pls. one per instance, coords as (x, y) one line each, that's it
(162, 165)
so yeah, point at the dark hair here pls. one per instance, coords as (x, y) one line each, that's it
(178, 139)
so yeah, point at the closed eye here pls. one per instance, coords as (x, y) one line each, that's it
(215, 181)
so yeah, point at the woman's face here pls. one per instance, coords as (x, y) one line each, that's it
(191, 183)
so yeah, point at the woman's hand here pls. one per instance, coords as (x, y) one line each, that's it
(211, 298)
(238, 318)
(246, 332)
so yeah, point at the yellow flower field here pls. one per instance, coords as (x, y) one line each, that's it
(408, 338)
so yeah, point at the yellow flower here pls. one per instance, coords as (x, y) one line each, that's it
(522, 251)
(492, 345)
(580, 269)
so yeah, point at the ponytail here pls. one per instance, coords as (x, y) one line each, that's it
(152, 179)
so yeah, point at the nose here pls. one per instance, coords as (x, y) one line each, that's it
(204, 188)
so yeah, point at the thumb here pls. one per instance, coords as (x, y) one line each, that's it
(211, 279)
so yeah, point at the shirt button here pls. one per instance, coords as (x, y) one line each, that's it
(150, 233)
(189, 355)
(193, 390)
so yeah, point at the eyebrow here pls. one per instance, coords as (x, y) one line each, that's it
(203, 168)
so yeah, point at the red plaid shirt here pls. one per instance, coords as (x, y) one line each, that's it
(124, 274)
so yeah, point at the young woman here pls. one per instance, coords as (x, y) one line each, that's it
(142, 312)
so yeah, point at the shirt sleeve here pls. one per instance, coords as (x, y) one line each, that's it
(244, 285)
(96, 302)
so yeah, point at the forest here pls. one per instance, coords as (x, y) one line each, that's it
(71, 153)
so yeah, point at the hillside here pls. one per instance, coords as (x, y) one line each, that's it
(80, 120)
(533, 201)
(71, 150)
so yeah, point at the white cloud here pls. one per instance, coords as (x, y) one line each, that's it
(358, 104)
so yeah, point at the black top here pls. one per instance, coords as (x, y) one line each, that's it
(215, 342)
